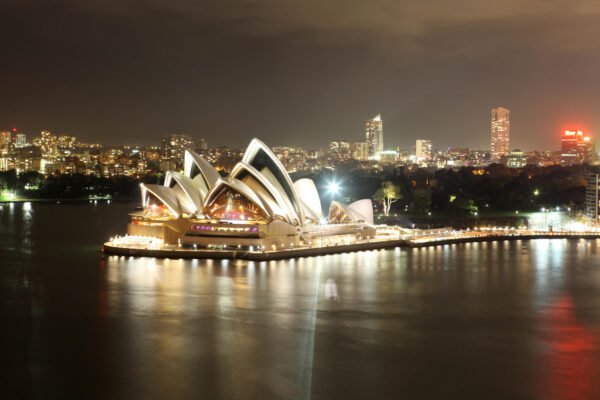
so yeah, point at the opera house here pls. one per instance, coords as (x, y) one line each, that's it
(257, 207)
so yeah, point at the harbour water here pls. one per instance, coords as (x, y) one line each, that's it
(498, 320)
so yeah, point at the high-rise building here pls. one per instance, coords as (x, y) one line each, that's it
(374, 136)
(174, 147)
(592, 199)
(500, 132)
(423, 150)
(20, 140)
(576, 148)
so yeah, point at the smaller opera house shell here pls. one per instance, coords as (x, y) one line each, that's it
(257, 207)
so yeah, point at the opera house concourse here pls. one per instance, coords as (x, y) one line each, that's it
(256, 208)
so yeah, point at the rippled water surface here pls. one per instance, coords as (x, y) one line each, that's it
(503, 320)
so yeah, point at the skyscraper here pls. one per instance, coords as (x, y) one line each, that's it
(500, 142)
(423, 150)
(374, 136)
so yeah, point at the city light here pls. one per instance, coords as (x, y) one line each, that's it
(333, 187)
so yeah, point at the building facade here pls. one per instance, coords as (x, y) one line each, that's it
(576, 148)
(374, 136)
(423, 150)
(500, 133)
(592, 198)
(174, 147)
(359, 151)
(516, 159)
(20, 140)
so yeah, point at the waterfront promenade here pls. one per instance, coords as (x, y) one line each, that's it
(387, 237)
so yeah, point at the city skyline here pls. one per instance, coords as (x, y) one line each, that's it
(555, 144)
(132, 72)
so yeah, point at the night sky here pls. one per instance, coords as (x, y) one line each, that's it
(300, 72)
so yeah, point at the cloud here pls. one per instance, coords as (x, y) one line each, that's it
(386, 17)
(412, 28)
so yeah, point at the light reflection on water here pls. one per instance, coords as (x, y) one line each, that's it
(465, 295)
(492, 320)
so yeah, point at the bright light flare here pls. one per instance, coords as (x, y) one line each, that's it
(333, 187)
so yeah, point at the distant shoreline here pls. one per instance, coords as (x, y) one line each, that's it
(69, 200)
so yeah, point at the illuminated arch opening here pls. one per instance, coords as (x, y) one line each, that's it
(231, 205)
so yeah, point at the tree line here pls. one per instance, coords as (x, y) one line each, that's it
(33, 185)
(394, 189)
(462, 190)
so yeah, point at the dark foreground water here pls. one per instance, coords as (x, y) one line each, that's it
(512, 320)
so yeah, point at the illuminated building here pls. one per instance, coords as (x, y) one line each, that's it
(66, 142)
(339, 145)
(500, 133)
(359, 151)
(5, 138)
(48, 142)
(423, 150)
(388, 157)
(292, 158)
(374, 136)
(592, 198)
(27, 158)
(256, 206)
(20, 140)
(516, 159)
(202, 145)
(339, 150)
(576, 148)
(174, 147)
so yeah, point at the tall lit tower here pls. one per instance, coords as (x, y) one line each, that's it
(374, 136)
(500, 132)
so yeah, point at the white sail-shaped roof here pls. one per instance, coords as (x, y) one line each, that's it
(277, 201)
(258, 189)
(187, 191)
(200, 171)
(259, 156)
(166, 195)
(364, 209)
(359, 211)
(309, 199)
